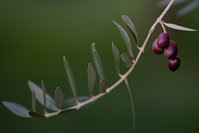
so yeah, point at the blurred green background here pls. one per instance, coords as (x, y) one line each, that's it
(35, 35)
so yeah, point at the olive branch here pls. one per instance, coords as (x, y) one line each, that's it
(77, 103)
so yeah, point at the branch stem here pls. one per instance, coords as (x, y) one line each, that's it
(123, 77)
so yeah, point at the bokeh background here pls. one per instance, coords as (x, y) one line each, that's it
(35, 35)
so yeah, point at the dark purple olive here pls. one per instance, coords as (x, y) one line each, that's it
(171, 51)
(163, 40)
(174, 64)
(156, 49)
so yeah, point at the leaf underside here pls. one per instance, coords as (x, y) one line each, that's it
(177, 27)
(50, 103)
(70, 78)
(131, 27)
(97, 61)
(17, 109)
(104, 84)
(125, 37)
(71, 101)
(188, 8)
(128, 59)
(116, 55)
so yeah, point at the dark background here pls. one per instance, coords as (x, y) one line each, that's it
(35, 35)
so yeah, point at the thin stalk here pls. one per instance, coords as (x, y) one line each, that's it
(163, 27)
(131, 99)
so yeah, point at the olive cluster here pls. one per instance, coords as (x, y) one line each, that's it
(170, 49)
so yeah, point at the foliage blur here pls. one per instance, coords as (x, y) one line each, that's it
(35, 35)
(189, 7)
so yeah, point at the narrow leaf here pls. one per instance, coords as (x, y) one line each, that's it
(71, 101)
(50, 103)
(91, 78)
(97, 61)
(17, 109)
(33, 101)
(116, 55)
(58, 98)
(104, 84)
(177, 27)
(68, 103)
(125, 37)
(188, 8)
(65, 111)
(35, 114)
(44, 95)
(131, 27)
(127, 59)
(87, 105)
(70, 78)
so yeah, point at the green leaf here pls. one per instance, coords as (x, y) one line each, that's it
(71, 101)
(87, 105)
(125, 37)
(91, 78)
(65, 111)
(70, 78)
(131, 27)
(50, 103)
(35, 114)
(127, 59)
(58, 98)
(188, 8)
(33, 101)
(177, 27)
(17, 109)
(97, 61)
(116, 55)
(104, 84)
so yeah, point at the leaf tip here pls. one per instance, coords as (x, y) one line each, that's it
(56, 89)
(93, 45)
(123, 16)
(113, 45)
(3, 102)
(104, 84)
(30, 82)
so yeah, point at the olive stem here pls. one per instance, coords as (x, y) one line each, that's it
(161, 22)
